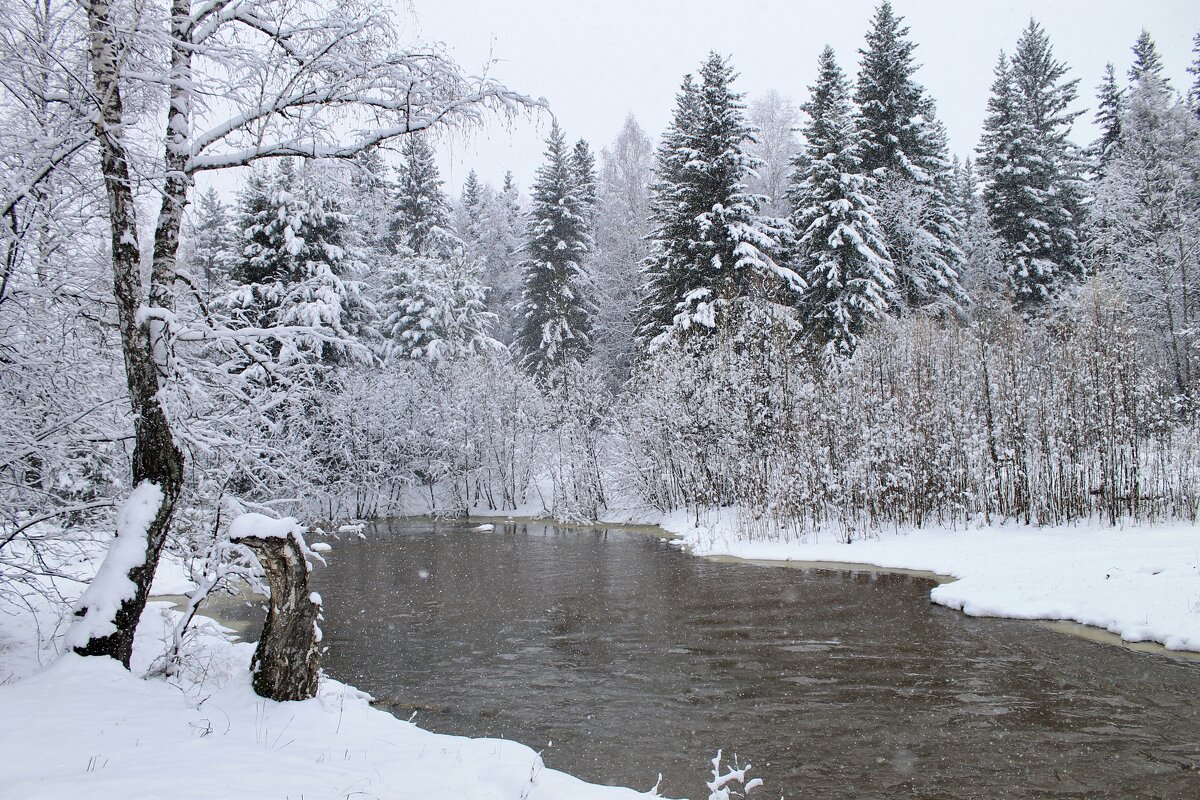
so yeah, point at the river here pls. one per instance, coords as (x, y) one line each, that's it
(620, 657)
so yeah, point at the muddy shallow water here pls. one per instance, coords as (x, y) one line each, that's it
(620, 657)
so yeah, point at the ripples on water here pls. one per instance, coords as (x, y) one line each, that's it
(620, 657)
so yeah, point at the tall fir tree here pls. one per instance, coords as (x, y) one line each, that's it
(890, 102)
(295, 269)
(841, 250)
(468, 214)
(1147, 64)
(421, 218)
(982, 275)
(905, 153)
(711, 246)
(1109, 97)
(214, 241)
(583, 171)
(1034, 190)
(556, 304)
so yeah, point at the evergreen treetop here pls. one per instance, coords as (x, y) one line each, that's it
(421, 218)
(1109, 98)
(556, 304)
(711, 246)
(842, 254)
(890, 102)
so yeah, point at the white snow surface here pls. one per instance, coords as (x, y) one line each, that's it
(111, 587)
(1141, 582)
(265, 527)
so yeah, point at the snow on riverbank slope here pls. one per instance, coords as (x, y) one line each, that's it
(1141, 583)
(85, 727)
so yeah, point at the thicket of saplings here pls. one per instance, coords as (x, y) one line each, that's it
(1069, 416)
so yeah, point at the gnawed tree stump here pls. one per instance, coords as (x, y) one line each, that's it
(287, 661)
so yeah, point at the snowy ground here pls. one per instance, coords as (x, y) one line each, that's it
(85, 727)
(1141, 583)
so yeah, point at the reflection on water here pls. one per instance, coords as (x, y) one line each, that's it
(621, 658)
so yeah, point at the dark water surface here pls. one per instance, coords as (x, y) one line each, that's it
(634, 659)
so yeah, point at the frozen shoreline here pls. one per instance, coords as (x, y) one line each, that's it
(1140, 583)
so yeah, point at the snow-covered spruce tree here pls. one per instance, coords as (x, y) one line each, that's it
(711, 247)
(437, 309)
(213, 240)
(1147, 67)
(421, 221)
(1033, 189)
(583, 172)
(982, 275)
(468, 214)
(841, 251)
(1108, 119)
(557, 302)
(905, 154)
(295, 271)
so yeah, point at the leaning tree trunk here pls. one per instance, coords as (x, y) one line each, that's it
(287, 661)
(156, 459)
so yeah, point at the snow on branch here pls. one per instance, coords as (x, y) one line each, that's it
(275, 79)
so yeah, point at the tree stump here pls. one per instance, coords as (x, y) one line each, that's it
(287, 661)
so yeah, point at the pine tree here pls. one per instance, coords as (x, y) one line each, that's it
(1033, 172)
(438, 310)
(295, 269)
(1147, 64)
(711, 246)
(556, 304)
(842, 254)
(1108, 119)
(421, 218)
(906, 154)
(583, 171)
(214, 240)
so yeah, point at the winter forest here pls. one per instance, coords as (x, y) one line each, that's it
(814, 318)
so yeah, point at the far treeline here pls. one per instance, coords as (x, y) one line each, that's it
(841, 330)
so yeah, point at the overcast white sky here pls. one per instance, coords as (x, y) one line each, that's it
(597, 60)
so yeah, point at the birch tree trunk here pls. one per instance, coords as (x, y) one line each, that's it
(156, 458)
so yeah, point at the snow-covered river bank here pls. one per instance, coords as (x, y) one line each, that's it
(618, 657)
